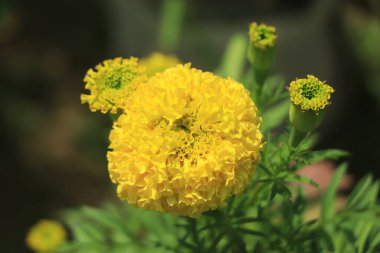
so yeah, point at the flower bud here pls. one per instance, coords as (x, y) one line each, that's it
(262, 47)
(111, 82)
(46, 236)
(309, 97)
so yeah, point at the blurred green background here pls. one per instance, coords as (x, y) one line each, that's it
(53, 149)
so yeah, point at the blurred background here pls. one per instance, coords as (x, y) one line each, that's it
(53, 149)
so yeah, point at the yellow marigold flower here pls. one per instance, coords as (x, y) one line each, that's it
(310, 93)
(262, 36)
(158, 62)
(189, 140)
(46, 236)
(111, 83)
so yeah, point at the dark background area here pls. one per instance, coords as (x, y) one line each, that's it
(53, 149)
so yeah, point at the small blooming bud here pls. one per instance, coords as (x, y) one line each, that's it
(261, 51)
(309, 97)
(111, 83)
(46, 236)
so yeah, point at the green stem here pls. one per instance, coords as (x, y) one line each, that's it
(260, 77)
(296, 137)
(194, 233)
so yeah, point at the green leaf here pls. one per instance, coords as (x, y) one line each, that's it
(273, 91)
(187, 245)
(332, 154)
(363, 230)
(82, 230)
(234, 57)
(364, 194)
(301, 179)
(307, 143)
(328, 201)
(106, 219)
(244, 220)
(216, 240)
(251, 232)
(239, 242)
(82, 247)
(275, 115)
(374, 240)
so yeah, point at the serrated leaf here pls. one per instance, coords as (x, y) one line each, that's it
(187, 245)
(273, 91)
(374, 240)
(301, 179)
(357, 198)
(307, 143)
(84, 232)
(329, 154)
(106, 219)
(363, 230)
(328, 201)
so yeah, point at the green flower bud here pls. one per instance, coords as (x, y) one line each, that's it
(309, 97)
(262, 47)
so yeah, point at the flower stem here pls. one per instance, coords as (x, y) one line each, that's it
(296, 137)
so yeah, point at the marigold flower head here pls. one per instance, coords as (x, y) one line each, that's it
(46, 236)
(310, 93)
(157, 62)
(189, 140)
(262, 36)
(111, 83)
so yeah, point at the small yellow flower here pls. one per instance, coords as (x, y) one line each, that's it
(310, 93)
(46, 236)
(111, 83)
(188, 141)
(262, 36)
(157, 62)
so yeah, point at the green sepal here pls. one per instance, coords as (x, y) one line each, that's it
(305, 121)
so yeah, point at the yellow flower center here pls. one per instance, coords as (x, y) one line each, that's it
(262, 35)
(118, 77)
(310, 93)
(111, 83)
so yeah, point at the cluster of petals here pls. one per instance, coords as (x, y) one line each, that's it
(111, 83)
(310, 93)
(262, 36)
(186, 142)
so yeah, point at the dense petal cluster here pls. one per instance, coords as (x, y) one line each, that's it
(188, 140)
(111, 83)
(158, 62)
(310, 93)
(262, 36)
(46, 236)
